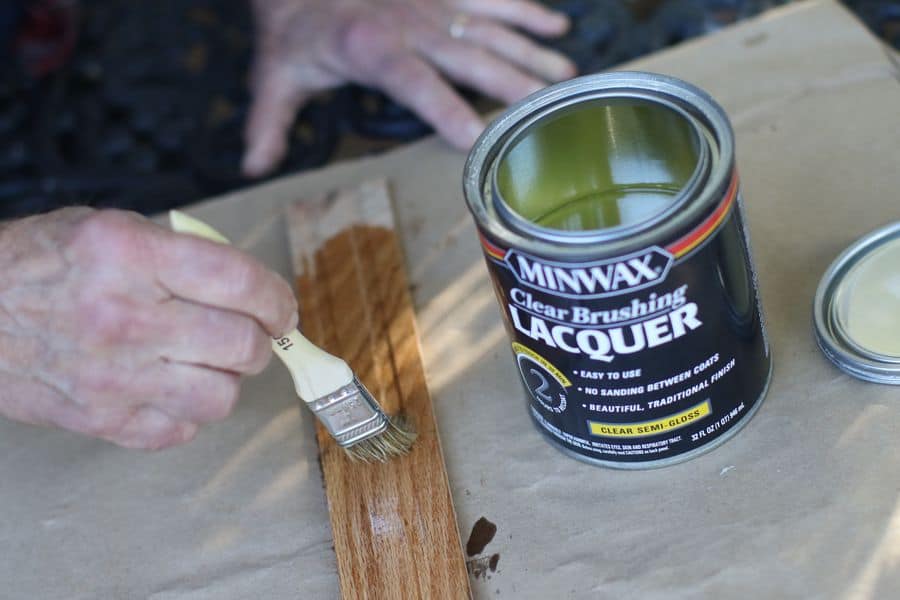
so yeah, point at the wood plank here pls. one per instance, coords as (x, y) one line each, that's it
(395, 529)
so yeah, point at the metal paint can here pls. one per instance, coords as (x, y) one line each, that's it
(611, 221)
(856, 310)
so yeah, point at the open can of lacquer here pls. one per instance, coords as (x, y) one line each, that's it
(609, 212)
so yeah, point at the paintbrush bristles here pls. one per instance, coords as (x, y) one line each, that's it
(395, 440)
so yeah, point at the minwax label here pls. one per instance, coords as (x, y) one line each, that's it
(641, 357)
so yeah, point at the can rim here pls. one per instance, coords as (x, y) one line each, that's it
(705, 113)
(526, 227)
(831, 337)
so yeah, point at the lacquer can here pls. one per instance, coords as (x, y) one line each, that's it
(611, 220)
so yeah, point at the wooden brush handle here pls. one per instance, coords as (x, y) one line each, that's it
(315, 372)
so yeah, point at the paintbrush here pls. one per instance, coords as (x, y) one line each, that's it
(327, 384)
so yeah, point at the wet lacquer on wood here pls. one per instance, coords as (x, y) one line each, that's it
(395, 529)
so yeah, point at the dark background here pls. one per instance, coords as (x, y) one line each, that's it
(140, 105)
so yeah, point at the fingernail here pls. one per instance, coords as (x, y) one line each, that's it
(563, 23)
(566, 70)
(255, 163)
(293, 323)
(473, 130)
(188, 432)
(534, 87)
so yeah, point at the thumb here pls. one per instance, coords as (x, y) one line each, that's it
(276, 99)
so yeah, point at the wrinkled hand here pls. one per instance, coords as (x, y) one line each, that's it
(400, 46)
(117, 328)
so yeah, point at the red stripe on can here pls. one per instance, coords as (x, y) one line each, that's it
(708, 226)
(491, 249)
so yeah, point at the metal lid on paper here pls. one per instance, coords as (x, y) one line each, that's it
(857, 308)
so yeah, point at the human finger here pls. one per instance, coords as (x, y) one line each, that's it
(191, 393)
(530, 16)
(138, 252)
(413, 82)
(221, 339)
(107, 393)
(220, 276)
(518, 49)
(277, 98)
(142, 426)
(481, 70)
(152, 429)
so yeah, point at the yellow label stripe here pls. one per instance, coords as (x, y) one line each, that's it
(520, 349)
(655, 427)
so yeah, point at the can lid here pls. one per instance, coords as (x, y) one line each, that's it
(857, 308)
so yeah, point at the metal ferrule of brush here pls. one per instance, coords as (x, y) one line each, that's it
(350, 414)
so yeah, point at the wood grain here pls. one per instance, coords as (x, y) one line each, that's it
(395, 529)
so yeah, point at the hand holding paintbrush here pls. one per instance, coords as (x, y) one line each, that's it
(328, 385)
(108, 330)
